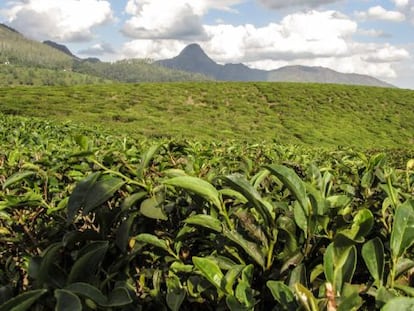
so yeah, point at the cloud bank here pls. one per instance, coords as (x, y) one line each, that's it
(60, 20)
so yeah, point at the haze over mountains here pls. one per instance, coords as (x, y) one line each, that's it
(192, 58)
(191, 64)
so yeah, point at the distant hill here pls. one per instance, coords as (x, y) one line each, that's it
(60, 47)
(15, 49)
(192, 58)
(30, 62)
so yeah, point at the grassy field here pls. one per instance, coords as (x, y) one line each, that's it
(288, 113)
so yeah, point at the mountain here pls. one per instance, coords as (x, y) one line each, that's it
(30, 62)
(60, 47)
(15, 49)
(192, 58)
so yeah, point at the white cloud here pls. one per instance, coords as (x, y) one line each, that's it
(406, 7)
(178, 19)
(278, 4)
(154, 49)
(61, 20)
(98, 49)
(310, 34)
(313, 38)
(378, 12)
(375, 33)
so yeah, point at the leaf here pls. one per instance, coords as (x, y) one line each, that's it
(146, 158)
(400, 304)
(231, 277)
(339, 265)
(373, 255)
(91, 192)
(234, 305)
(306, 298)
(292, 181)
(153, 240)
(250, 248)
(151, 208)
(300, 218)
(101, 191)
(82, 141)
(408, 290)
(383, 296)
(88, 291)
(119, 297)
(67, 301)
(123, 233)
(87, 265)
(23, 301)
(175, 292)
(205, 221)
(240, 184)
(403, 265)
(198, 186)
(350, 298)
(16, 178)
(78, 196)
(361, 226)
(283, 295)
(402, 234)
(129, 201)
(49, 257)
(211, 271)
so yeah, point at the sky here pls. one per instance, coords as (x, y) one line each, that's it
(365, 36)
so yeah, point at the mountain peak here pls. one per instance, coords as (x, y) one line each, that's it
(196, 53)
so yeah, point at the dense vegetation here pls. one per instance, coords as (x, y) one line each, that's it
(28, 62)
(11, 75)
(289, 113)
(94, 221)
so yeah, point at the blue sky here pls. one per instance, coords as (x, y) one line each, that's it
(365, 36)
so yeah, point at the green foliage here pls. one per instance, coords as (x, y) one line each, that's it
(326, 116)
(94, 221)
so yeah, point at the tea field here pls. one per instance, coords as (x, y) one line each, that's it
(145, 197)
(287, 113)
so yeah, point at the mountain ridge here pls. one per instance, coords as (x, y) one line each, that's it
(194, 59)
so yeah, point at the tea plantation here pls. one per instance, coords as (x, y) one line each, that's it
(217, 196)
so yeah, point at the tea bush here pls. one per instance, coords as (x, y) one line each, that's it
(92, 221)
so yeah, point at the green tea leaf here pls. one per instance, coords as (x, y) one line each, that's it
(23, 301)
(373, 255)
(153, 240)
(151, 208)
(251, 248)
(119, 297)
(78, 197)
(206, 221)
(67, 301)
(16, 178)
(403, 265)
(198, 186)
(350, 298)
(283, 295)
(146, 159)
(400, 304)
(211, 271)
(240, 184)
(100, 192)
(175, 292)
(88, 291)
(292, 181)
(402, 234)
(231, 277)
(306, 298)
(86, 266)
